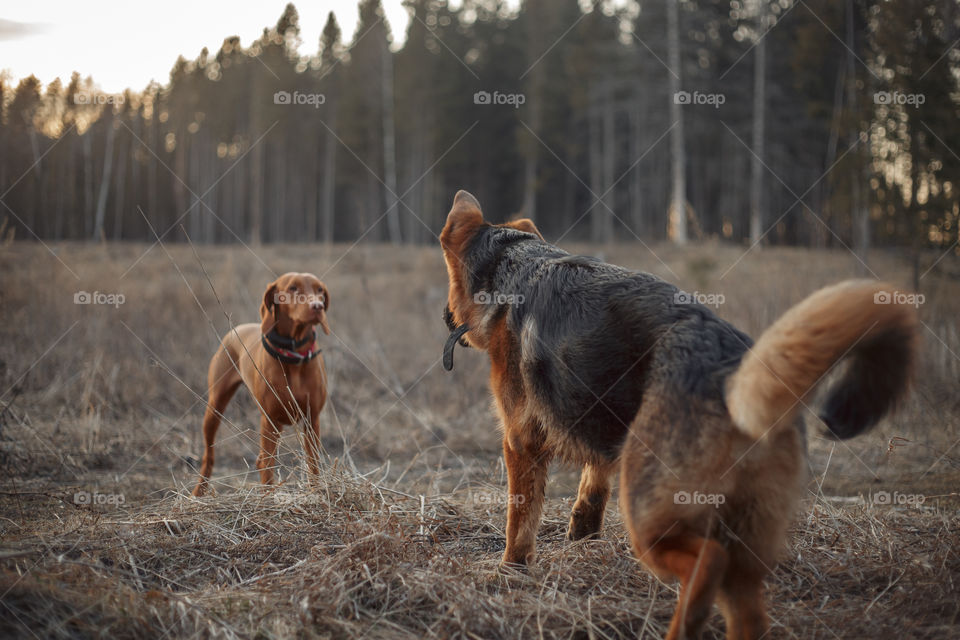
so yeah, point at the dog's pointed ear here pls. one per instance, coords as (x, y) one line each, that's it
(326, 308)
(525, 224)
(465, 209)
(267, 306)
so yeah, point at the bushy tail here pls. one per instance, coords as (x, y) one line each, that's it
(863, 322)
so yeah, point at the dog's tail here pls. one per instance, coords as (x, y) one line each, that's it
(863, 322)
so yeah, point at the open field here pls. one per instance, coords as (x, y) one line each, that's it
(401, 535)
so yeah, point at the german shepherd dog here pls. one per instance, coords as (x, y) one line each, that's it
(602, 366)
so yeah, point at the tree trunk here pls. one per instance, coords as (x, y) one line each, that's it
(596, 164)
(759, 117)
(256, 195)
(152, 177)
(678, 161)
(636, 186)
(609, 166)
(329, 179)
(104, 181)
(192, 176)
(860, 213)
(120, 188)
(180, 164)
(87, 181)
(389, 146)
(821, 234)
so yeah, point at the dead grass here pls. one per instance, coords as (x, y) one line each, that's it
(349, 558)
(401, 534)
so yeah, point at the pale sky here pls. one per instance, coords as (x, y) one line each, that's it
(126, 44)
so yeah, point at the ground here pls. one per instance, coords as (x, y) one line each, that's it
(401, 535)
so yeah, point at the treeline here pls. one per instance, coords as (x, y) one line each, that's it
(823, 122)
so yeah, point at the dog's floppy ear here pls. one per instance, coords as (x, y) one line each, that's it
(267, 307)
(465, 210)
(326, 307)
(525, 224)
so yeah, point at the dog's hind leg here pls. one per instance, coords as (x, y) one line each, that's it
(741, 591)
(223, 384)
(741, 601)
(526, 480)
(700, 564)
(311, 446)
(586, 518)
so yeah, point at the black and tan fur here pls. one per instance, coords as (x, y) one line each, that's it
(600, 366)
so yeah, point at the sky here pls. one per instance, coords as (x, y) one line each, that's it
(127, 43)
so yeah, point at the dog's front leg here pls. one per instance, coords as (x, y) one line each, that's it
(526, 479)
(311, 445)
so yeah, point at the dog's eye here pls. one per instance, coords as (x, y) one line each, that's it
(292, 289)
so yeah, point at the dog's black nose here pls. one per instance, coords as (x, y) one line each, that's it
(316, 305)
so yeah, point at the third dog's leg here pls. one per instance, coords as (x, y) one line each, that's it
(526, 479)
(216, 403)
(269, 439)
(587, 515)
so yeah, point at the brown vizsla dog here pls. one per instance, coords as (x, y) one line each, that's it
(280, 363)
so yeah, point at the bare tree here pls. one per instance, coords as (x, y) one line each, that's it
(757, 142)
(105, 177)
(860, 213)
(678, 159)
(389, 145)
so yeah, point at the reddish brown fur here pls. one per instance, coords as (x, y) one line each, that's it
(285, 393)
(792, 354)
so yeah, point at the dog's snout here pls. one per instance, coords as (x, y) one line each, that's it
(316, 305)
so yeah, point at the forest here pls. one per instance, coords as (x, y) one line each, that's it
(818, 123)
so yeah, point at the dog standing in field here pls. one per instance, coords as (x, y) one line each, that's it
(279, 361)
(607, 367)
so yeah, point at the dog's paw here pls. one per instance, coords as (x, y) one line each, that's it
(513, 575)
(514, 561)
(584, 526)
(512, 568)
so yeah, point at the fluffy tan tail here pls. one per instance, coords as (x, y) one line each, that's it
(869, 324)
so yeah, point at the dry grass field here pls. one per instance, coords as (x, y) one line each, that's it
(400, 537)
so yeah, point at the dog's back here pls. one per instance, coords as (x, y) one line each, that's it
(594, 337)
